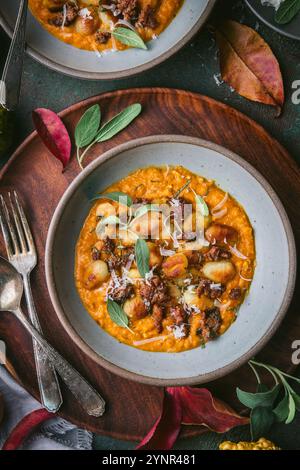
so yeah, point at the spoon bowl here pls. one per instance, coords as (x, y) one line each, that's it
(11, 290)
(11, 287)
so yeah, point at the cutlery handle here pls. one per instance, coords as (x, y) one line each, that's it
(89, 399)
(46, 375)
(6, 129)
(12, 73)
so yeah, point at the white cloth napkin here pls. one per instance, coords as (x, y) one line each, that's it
(55, 434)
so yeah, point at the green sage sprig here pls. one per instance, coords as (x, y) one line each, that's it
(89, 131)
(129, 38)
(142, 257)
(287, 11)
(117, 314)
(270, 405)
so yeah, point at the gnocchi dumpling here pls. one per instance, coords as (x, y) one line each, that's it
(96, 273)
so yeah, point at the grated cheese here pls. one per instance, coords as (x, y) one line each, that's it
(178, 331)
(220, 205)
(85, 14)
(149, 340)
(165, 252)
(64, 16)
(221, 213)
(236, 252)
(273, 3)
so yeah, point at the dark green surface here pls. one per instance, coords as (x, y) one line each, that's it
(193, 69)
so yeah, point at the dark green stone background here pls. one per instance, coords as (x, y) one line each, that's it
(193, 68)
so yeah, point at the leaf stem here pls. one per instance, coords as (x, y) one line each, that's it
(269, 369)
(78, 158)
(85, 152)
(182, 189)
(286, 385)
(290, 376)
(255, 373)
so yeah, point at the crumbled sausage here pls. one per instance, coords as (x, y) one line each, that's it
(155, 291)
(210, 289)
(127, 9)
(180, 317)
(216, 253)
(119, 290)
(147, 18)
(117, 261)
(158, 316)
(177, 206)
(235, 293)
(194, 258)
(65, 18)
(54, 5)
(213, 321)
(140, 200)
(102, 37)
(96, 254)
(211, 324)
(104, 246)
(109, 245)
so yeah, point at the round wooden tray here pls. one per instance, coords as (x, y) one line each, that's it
(37, 176)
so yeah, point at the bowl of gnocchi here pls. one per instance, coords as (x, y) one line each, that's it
(169, 274)
(105, 39)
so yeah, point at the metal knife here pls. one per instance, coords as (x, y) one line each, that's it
(10, 83)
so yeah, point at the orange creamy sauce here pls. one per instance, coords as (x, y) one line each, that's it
(165, 11)
(157, 185)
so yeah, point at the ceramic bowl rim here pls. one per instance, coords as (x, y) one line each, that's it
(50, 279)
(69, 71)
(271, 25)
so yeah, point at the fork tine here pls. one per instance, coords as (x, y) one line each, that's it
(11, 228)
(18, 225)
(25, 225)
(5, 233)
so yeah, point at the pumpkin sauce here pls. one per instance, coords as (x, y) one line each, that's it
(198, 273)
(88, 24)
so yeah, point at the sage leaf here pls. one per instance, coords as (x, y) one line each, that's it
(118, 122)
(201, 204)
(262, 388)
(253, 400)
(292, 410)
(115, 196)
(287, 11)
(296, 400)
(142, 256)
(281, 411)
(144, 209)
(129, 38)
(261, 420)
(88, 126)
(117, 314)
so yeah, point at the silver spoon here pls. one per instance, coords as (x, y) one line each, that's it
(11, 291)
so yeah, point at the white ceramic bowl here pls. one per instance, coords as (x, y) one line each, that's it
(84, 64)
(270, 292)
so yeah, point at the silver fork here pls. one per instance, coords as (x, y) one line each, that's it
(22, 255)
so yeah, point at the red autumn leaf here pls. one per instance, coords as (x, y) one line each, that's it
(249, 65)
(53, 133)
(164, 433)
(25, 427)
(199, 407)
